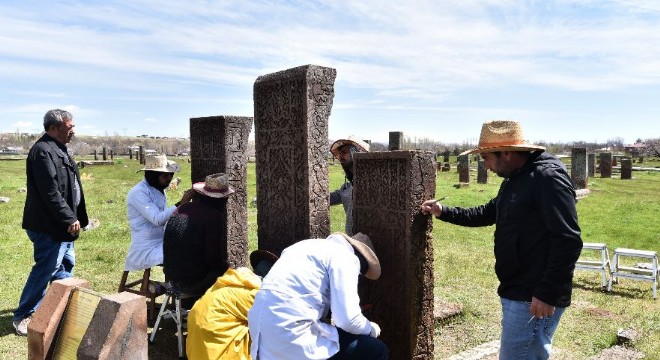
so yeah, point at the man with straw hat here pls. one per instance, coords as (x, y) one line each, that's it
(311, 278)
(343, 150)
(147, 212)
(537, 237)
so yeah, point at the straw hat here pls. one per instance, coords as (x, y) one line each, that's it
(257, 256)
(215, 186)
(502, 135)
(361, 145)
(160, 163)
(363, 244)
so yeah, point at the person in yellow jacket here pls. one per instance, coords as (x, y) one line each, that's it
(217, 323)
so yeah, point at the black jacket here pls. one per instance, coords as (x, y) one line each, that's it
(49, 205)
(537, 237)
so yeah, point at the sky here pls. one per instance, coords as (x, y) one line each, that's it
(568, 70)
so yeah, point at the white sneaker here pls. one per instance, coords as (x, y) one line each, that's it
(21, 326)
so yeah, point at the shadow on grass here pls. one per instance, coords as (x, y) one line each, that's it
(6, 317)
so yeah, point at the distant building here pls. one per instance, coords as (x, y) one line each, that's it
(635, 149)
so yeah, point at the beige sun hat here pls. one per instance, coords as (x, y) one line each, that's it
(160, 163)
(215, 186)
(363, 244)
(502, 135)
(352, 140)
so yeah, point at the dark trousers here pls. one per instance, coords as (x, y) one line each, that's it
(360, 347)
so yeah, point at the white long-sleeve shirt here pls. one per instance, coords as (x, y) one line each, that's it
(310, 278)
(147, 215)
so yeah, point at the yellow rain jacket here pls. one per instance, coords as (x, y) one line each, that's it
(217, 323)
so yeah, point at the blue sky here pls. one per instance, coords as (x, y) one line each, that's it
(568, 70)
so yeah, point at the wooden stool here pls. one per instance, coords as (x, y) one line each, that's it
(145, 287)
(635, 273)
(603, 265)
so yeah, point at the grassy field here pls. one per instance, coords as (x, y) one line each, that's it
(618, 213)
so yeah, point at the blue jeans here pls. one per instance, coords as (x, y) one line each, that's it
(359, 347)
(524, 337)
(53, 260)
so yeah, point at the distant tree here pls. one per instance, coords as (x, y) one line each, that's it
(652, 147)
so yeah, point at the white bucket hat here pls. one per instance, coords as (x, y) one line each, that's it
(160, 163)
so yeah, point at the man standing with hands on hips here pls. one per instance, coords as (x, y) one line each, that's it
(54, 212)
(537, 237)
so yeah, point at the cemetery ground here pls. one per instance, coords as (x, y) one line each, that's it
(620, 213)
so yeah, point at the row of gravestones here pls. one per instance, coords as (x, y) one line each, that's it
(291, 112)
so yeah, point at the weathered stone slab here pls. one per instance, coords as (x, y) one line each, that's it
(626, 169)
(291, 111)
(482, 172)
(579, 167)
(605, 164)
(463, 168)
(396, 140)
(118, 329)
(388, 188)
(591, 165)
(45, 321)
(218, 144)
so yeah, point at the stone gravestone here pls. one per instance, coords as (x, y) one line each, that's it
(218, 144)
(112, 154)
(130, 154)
(396, 140)
(591, 165)
(105, 154)
(626, 169)
(96, 154)
(579, 167)
(482, 172)
(463, 168)
(388, 189)
(141, 154)
(291, 111)
(606, 165)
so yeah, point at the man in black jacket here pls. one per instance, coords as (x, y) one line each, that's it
(54, 212)
(537, 237)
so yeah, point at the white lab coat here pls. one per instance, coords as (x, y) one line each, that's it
(147, 215)
(310, 278)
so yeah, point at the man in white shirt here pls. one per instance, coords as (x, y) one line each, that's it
(148, 213)
(311, 279)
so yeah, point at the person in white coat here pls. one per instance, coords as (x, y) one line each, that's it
(148, 212)
(312, 279)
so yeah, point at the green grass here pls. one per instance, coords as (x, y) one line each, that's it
(618, 213)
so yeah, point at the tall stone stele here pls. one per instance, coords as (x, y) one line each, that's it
(579, 167)
(388, 189)
(218, 144)
(396, 140)
(605, 165)
(626, 169)
(291, 111)
(463, 168)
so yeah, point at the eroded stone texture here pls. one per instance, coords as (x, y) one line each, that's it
(118, 329)
(605, 165)
(482, 172)
(388, 189)
(463, 168)
(396, 140)
(218, 144)
(591, 165)
(47, 318)
(579, 167)
(291, 111)
(626, 169)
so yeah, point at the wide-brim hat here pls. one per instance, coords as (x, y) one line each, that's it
(260, 255)
(502, 135)
(159, 163)
(361, 145)
(363, 244)
(214, 185)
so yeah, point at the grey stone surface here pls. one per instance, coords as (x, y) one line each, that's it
(482, 172)
(626, 169)
(591, 165)
(579, 167)
(463, 168)
(388, 188)
(291, 111)
(218, 144)
(605, 164)
(396, 140)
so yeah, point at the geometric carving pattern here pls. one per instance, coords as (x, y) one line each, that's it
(218, 144)
(387, 190)
(291, 111)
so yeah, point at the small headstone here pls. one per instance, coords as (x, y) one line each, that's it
(579, 167)
(591, 165)
(105, 154)
(605, 164)
(626, 169)
(463, 168)
(482, 172)
(446, 167)
(396, 140)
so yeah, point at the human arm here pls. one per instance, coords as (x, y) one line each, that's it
(344, 270)
(141, 199)
(482, 215)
